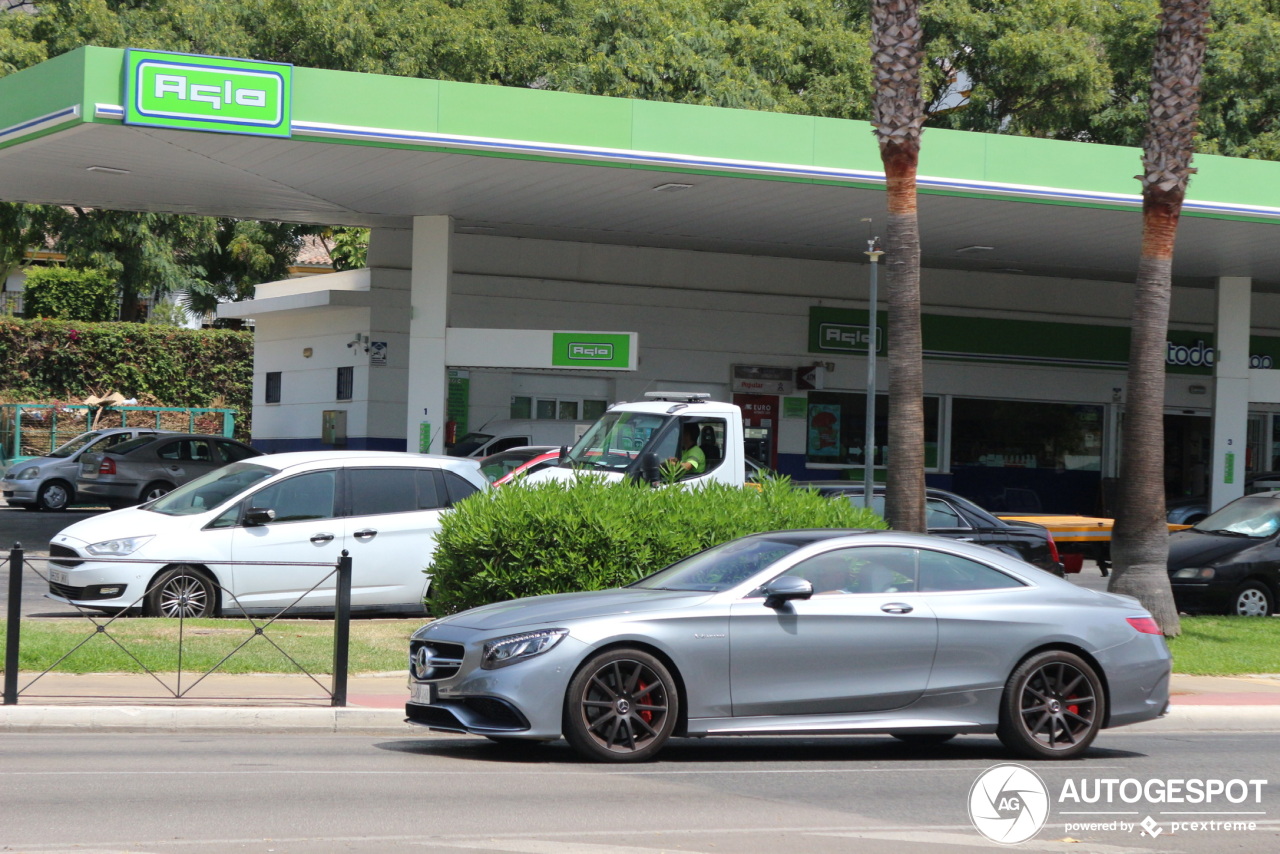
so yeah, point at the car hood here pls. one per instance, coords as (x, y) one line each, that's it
(564, 474)
(566, 607)
(38, 462)
(129, 522)
(1187, 548)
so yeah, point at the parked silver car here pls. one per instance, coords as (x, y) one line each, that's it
(818, 631)
(147, 467)
(49, 482)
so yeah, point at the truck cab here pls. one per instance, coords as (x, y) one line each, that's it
(631, 440)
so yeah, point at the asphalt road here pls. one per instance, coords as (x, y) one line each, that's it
(34, 530)
(278, 793)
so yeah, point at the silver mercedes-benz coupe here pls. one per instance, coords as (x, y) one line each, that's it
(813, 631)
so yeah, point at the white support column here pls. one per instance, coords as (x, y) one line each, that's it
(1230, 390)
(429, 298)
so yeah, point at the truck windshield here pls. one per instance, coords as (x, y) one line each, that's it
(615, 441)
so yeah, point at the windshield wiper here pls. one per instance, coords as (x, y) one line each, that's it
(1224, 532)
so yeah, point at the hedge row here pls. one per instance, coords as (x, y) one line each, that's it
(527, 540)
(48, 360)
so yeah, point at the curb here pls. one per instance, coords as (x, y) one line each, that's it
(215, 719)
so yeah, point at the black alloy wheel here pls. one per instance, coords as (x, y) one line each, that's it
(182, 591)
(1053, 707)
(621, 706)
(1252, 599)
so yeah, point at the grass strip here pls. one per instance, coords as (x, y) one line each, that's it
(1227, 646)
(376, 645)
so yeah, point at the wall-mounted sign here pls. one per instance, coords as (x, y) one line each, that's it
(590, 349)
(378, 353)
(208, 93)
(763, 379)
(541, 348)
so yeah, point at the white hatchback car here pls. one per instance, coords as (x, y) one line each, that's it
(222, 544)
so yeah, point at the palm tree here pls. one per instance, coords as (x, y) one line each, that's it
(898, 114)
(1140, 540)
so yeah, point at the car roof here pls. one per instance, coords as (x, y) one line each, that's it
(295, 459)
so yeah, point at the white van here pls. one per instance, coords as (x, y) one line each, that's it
(497, 436)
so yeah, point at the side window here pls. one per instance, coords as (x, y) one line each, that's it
(377, 491)
(430, 494)
(199, 451)
(234, 453)
(507, 444)
(943, 572)
(940, 514)
(111, 441)
(457, 488)
(171, 451)
(307, 496)
(860, 570)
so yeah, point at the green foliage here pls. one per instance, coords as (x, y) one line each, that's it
(66, 294)
(68, 360)
(167, 314)
(527, 540)
(350, 248)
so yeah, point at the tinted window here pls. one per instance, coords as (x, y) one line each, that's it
(720, 567)
(133, 445)
(860, 570)
(942, 572)
(233, 453)
(509, 442)
(189, 450)
(457, 488)
(375, 491)
(940, 514)
(307, 496)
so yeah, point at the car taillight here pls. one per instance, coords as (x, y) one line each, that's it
(1053, 549)
(108, 466)
(1146, 625)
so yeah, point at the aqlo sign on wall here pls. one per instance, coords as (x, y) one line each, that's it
(175, 90)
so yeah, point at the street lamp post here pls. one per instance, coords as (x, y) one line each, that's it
(869, 453)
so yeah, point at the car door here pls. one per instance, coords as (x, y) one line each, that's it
(305, 530)
(864, 645)
(393, 517)
(183, 460)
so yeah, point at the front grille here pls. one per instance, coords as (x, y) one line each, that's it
(56, 552)
(66, 590)
(442, 663)
(496, 713)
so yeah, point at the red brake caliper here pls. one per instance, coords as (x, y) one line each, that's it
(646, 715)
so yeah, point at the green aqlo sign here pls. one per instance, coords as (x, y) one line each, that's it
(208, 93)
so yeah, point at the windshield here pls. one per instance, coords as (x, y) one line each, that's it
(1255, 516)
(720, 567)
(468, 444)
(495, 466)
(208, 492)
(614, 442)
(75, 444)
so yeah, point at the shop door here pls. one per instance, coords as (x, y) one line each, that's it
(760, 414)
(1187, 439)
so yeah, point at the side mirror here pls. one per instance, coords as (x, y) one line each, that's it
(650, 468)
(564, 455)
(784, 588)
(259, 516)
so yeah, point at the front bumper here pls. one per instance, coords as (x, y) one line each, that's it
(1202, 598)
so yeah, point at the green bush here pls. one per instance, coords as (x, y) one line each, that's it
(526, 540)
(46, 360)
(67, 294)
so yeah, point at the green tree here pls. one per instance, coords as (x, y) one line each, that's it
(348, 247)
(61, 293)
(240, 255)
(1140, 539)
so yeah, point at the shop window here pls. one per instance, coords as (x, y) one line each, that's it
(1024, 434)
(837, 423)
(522, 407)
(557, 408)
(593, 409)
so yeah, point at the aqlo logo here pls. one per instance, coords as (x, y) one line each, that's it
(1008, 803)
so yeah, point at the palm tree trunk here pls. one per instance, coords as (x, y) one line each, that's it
(898, 117)
(1140, 540)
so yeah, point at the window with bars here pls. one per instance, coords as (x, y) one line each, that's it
(273, 387)
(346, 382)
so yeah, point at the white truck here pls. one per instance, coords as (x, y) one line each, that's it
(632, 440)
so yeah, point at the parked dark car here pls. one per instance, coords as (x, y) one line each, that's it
(1229, 563)
(950, 515)
(1189, 511)
(145, 468)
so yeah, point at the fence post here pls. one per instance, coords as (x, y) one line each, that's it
(16, 565)
(342, 630)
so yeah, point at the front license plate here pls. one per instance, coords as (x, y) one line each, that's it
(57, 576)
(424, 693)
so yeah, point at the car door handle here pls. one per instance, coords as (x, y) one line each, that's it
(366, 534)
(896, 608)
(321, 538)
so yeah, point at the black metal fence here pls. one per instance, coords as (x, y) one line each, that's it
(103, 625)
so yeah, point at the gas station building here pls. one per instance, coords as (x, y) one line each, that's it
(540, 255)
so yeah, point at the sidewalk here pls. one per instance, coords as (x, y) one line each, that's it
(225, 703)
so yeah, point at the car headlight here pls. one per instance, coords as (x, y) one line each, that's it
(1193, 573)
(516, 648)
(28, 473)
(118, 548)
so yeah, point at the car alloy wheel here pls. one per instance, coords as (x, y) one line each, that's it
(1253, 599)
(181, 592)
(621, 706)
(154, 491)
(1052, 708)
(54, 495)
